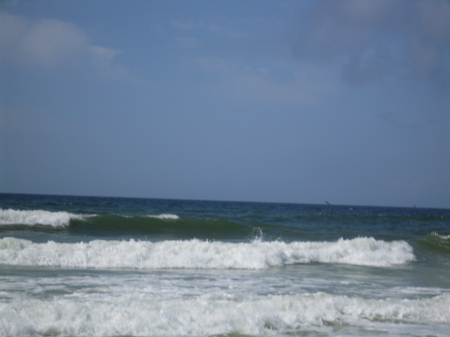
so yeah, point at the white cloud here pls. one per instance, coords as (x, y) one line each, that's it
(53, 43)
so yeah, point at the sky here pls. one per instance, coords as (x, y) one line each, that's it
(274, 101)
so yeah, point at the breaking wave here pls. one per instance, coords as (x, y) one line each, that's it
(132, 314)
(165, 216)
(37, 217)
(198, 254)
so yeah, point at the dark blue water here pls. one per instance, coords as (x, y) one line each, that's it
(150, 267)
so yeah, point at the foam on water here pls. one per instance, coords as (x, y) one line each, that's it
(37, 217)
(165, 216)
(132, 314)
(202, 254)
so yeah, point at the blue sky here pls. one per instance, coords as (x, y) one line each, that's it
(279, 101)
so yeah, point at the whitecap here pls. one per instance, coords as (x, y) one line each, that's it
(36, 217)
(165, 216)
(198, 254)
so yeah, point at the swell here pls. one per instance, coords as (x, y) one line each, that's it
(158, 226)
(165, 226)
(436, 243)
(359, 218)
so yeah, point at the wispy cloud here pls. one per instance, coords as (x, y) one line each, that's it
(211, 26)
(398, 121)
(189, 25)
(53, 43)
(373, 39)
(277, 83)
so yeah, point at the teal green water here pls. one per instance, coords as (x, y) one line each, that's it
(85, 266)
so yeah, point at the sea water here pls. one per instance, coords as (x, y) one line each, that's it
(85, 266)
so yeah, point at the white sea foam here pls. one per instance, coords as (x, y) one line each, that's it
(132, 314)
(202, 254)
(165, 216)
(36, 217)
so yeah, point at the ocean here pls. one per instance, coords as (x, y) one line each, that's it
(92, 266)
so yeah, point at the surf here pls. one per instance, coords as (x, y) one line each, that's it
(131, 314)
(10, 217)
(201, 254)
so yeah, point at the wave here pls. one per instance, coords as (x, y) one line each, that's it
(166, 225)
(37, 217)
(56, 219)
(436, 243)
(165, 216)
(131, 314)
(198, 254)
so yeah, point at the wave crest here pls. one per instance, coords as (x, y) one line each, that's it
(37, 217)
(437, 243)
(165, 216)
(197, 254)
